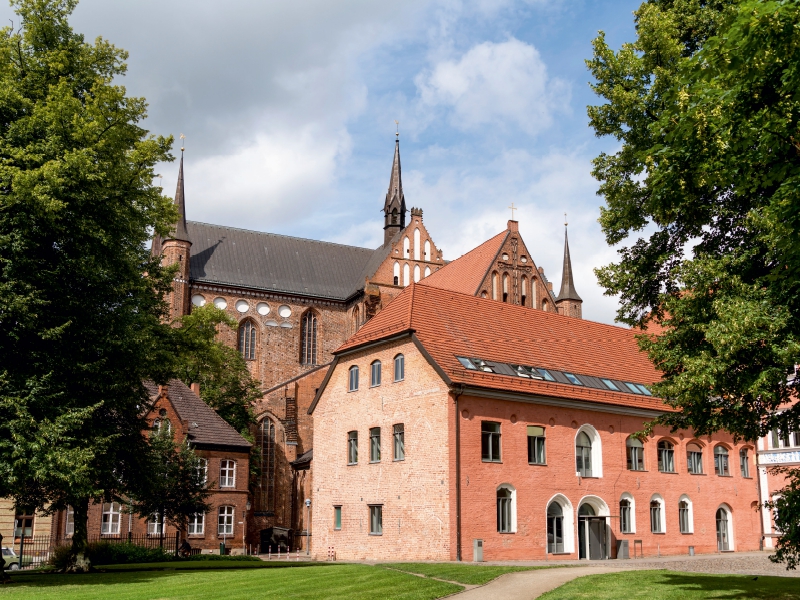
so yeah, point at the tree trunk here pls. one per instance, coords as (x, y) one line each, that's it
(80, 561)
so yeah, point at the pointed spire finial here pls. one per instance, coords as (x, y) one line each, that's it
(397, 129)
(565, 219)
(568, 291)
(180, 232)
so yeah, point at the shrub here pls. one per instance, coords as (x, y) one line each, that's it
(240, 557)
(108, 553)
(59, 557)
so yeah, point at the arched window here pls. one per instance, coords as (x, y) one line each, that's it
(353, 386)
(721, 461)
(506, 509)
(744, 462)
(375, 373)
(723, 530)
(685, 517)
(397, 273)
(545, 306)
(583, 455)
(406, 247)
(495, 283)
(406, 274)
(265, 443)
(427, 251)
(627, 514)
(657, 524)
(555, 528)
(524, 297)
(534, 292)
(394, 216)
(399, 367)
(666, 457)
(416, 273)
(308, 333)
(417, 244)
(635, 451)
(505, 287)
(355, 319)
(247, 340)
(427, 271)
(694, 458)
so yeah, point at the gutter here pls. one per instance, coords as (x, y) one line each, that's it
(457, 391)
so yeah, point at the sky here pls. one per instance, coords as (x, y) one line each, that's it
(289, 109)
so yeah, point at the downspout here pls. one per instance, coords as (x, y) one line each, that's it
(457, 391)
(763, 543)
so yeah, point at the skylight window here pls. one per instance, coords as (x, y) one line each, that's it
(475, 364)
(634, 388)
(467, 363)
(528, 372)
(610, 384)
(546, 374)
(574, 380)
(645, 391)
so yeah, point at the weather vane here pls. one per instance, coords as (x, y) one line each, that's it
(397, 125)
(513, 208)
(565, 219)
(183, 137)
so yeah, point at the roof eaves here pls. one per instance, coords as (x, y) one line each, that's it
(322, 386)
(298, 377)
(431, 361)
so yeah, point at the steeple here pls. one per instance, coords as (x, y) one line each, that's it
(394, 208)
(180, 232)
(568, 301)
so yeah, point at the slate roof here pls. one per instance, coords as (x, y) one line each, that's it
(465, 274)
(279, 263)
(449, 324)
(210, 429)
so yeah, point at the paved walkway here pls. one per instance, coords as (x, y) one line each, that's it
(530, 584)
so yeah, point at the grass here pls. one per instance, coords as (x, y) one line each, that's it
(673, 585)
(469, 574)
(344, 581)
(197, 565)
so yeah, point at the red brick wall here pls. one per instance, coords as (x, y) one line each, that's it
(415, 493)
(175, 251)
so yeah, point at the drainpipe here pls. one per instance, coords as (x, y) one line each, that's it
(457, 391)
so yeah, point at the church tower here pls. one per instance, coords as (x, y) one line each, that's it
(394, 209)
(175, 250)
(568, 301)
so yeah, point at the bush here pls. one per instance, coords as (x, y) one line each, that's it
(59, 557)
(240, 557)
(108, 553)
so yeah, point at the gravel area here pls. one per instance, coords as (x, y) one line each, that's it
(750, 564)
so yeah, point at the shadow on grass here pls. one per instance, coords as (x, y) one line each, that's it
(734, 586)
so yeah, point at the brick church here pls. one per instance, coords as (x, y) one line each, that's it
(298, 300)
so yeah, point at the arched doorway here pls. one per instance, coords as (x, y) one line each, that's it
(592, 534)
(555, 529)
(723, 530)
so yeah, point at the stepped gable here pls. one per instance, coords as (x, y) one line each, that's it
(205, 426)
(278, 263)
(450, 324)
(466, 273)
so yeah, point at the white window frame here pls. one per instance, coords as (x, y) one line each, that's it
(513, 509)
(685, 498)
(375, 368)
(731, 536)
(629, 497)
(111, 518)
(662, 514)
(69, 521)
(375, 527)
(225, 516)
(197, 524)
(568, 523)
(228, 480)
(744, 465)
(597, 449)
(352, 379)
(202, 471)
(155, 525)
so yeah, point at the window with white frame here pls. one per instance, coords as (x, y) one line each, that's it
(197, 524)
(376, 519)
(202, 471)
(109, 525)
(399, 367)
(227, 473)
(399, 434)
(744, 462)
(657, 517)
(555, 528)
(694, 458)
(583, 455)
(666, 456)
(721, 465)
(375, 373)
(626, 515)
(155, 525)
(353, 384)
(225, 521)
(685, 516)
(69, 521)
(506, 509)
(635, 451)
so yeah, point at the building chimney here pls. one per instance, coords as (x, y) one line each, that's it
(513, 226)
(196, 388)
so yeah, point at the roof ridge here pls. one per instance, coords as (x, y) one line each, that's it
(283, 235)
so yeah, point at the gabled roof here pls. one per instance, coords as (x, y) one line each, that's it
(279, 263)
(466, 273)
(206, 427)
(449, 324)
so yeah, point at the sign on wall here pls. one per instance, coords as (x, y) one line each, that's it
(779, 458)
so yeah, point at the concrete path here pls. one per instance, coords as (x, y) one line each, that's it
(525, 585)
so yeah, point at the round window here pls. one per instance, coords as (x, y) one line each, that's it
(220, 303)
(242, 306)
(198, 300)
(262, 308)
(284, 311)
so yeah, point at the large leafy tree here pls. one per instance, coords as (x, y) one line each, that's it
(80, 326)
(703, 197)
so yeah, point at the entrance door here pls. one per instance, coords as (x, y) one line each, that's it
(722, 530)
(591, 534)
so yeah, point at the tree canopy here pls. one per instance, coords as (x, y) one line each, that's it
(703, 197)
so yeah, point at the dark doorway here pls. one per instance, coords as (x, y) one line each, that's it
(592, 534)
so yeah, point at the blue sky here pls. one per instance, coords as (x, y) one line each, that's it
(288, 110)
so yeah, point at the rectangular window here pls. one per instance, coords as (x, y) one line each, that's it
(111, 518)
(23, 525)
(225, 522)
(490, 441)
(683, 517)
(155, 526)
(610, 384)
(625, 522)
(399, 441)
(197, 524)
(69, 526)
(655, 517)
(504, 511)
(536, 445)
(744, 462)
(399, 367)
(572, 379)
(376, 519)
(337, 517)
(353, 379)
(227, 473)
(546, 374)
(634, 388)
(375, 374)
(352, 447)
(202, 471)
(695, 462)
(375, 444)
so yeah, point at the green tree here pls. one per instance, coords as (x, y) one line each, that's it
(704, 191)
(225, 381)
(80, 326)
(174, 486)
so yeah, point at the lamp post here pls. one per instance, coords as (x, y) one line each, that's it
(244, 527)
(308, 539)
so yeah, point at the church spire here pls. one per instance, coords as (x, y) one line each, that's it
(180, 232)
(394, 208)
(568, 301)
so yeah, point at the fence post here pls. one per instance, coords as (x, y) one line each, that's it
(130, 536)
(21, 549)
(177, 542)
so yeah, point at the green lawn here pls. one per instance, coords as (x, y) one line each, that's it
(326, 581)
(462, 573)
(200, 565)
(672, 585)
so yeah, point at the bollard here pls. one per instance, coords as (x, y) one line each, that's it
(297, 557)
(269, 553)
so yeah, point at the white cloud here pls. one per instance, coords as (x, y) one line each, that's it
(495, 83)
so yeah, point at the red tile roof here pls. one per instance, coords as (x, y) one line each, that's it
(466, 273)
(449, 324)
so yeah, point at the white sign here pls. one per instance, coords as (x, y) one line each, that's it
(779, 458)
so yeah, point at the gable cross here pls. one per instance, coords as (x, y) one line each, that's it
(513, 208)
